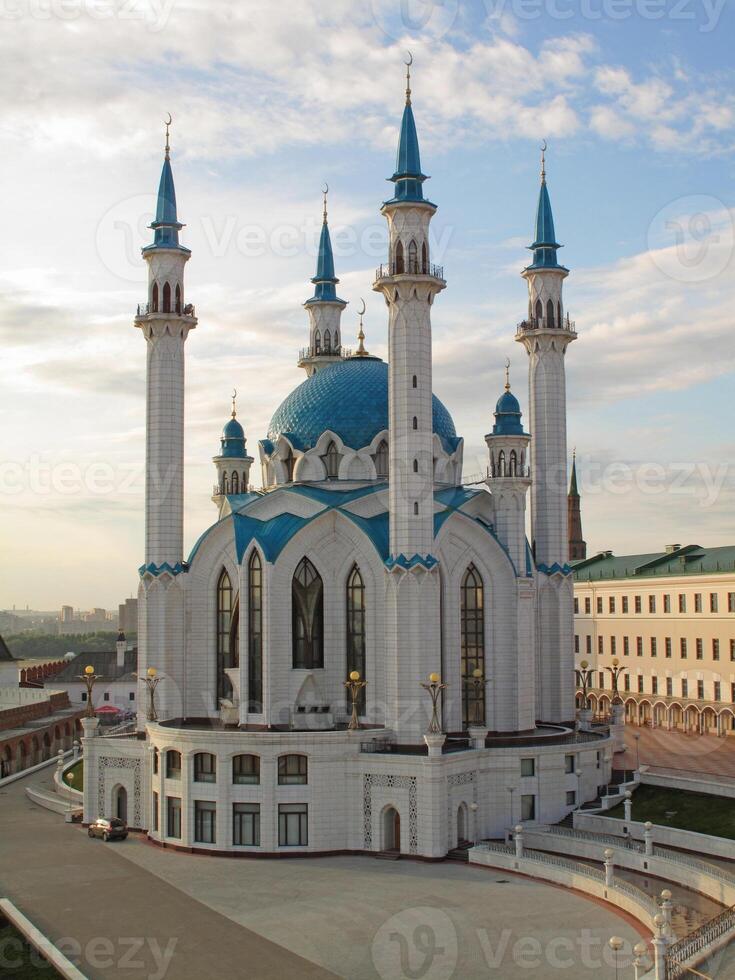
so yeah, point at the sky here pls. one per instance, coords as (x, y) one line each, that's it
(637, 102)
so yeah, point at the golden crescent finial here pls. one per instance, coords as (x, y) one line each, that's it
(361, 352)
(168, 123)
(544, 148)
(408, 77)
(507, 374)
(325, 191)
(234, 396)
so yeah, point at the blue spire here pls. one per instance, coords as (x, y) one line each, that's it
(232, 442)
(408, 177)
(545, 245)
(325, 279)
(166, 225)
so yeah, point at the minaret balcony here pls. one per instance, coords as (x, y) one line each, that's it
(545, 323)
(428, 270)
(146, 309)
(307, 353)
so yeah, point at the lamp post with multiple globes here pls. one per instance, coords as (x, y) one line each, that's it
(434, 687)
(354, 685)
(152, 680)
(90, 679)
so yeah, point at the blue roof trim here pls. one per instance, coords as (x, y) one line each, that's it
(153, 569)
(328, 497)
(400, 561)
(555, 569)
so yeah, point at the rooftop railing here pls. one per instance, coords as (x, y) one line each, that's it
(308, 352)
(144, 309)
(547, 323)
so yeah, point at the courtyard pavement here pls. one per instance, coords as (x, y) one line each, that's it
(671, 752)
(357, 917)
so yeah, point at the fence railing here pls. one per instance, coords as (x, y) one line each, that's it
(678, 956)
(547, 323)
(409, 269)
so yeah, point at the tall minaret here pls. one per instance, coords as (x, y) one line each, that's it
(577, 545)
(165, 320)
(409, 284)
(545, 335)
(324, 308)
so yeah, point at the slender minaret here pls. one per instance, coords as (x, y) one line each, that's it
(409, 284)
(165, 321)
(324, 308)
(577, 545)
(545, 335)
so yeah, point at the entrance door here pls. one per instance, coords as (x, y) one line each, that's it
(122, 804)
(391, 830)
(461, 825)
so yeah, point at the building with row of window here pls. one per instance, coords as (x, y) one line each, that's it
(363, 560)
(668, 618)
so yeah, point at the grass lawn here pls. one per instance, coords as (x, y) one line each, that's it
(19, 959)
(78, 770)
(686, 811)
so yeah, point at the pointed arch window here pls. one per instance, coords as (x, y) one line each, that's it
(399, 257)
(550, 313)
(356, 632)
(413, 264)
(415, 422)
(318, 342)
(415, 381)
(331, 460)
(513, 463)
(327, 342)
(307, 614)
(154, 298)
(166, 297)
(501, 463)
(415, 466)
(228, 633)
(336, 341)
(255, 634)
(424, 259)
(178, 298)
(558, 314)
(472, 608)
(235, 483)
(381, 460)
(289, 462)
(539, 310)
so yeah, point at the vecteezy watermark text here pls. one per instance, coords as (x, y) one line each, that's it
(153, 14)
(704, 13)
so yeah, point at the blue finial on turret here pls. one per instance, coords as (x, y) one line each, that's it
(325, 279)
(408, 177)
(166, 225)
(232, 442)
(508, 411)
(545, 245)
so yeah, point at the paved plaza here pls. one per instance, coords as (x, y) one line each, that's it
(352, 917)
(693, 755)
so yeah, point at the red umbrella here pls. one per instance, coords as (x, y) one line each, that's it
(108, 709)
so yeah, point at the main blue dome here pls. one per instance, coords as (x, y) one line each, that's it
(350, 398)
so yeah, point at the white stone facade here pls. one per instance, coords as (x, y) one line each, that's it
(363, 551)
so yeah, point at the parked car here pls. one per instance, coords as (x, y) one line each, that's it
(113, 829)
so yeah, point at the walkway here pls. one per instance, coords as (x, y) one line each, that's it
(671, 752)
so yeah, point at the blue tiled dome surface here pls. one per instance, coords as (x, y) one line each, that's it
(349, 398)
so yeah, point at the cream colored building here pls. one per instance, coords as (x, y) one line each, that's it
(669, 619)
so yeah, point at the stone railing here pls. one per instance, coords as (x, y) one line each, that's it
(572, 874)
(687, 840)
(699, 945)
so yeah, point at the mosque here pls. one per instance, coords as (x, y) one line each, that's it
(365, 655)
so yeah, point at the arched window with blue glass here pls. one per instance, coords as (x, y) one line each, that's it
(307, 616)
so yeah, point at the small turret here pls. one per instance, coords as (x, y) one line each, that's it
(121, 645)
(232, 462)
(324, 308)
(508, 474)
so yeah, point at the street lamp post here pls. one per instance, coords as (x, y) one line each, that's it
(616, 944)
(434, 687)
(637, 737)
(152, 680)
(477, 681)
(616, 670)
(354, 685)
(90, 679)
(584, 679)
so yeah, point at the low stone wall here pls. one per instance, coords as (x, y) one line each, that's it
(52, 801)
(689, 783)
(686, 871)
(561, 871)
(685, 840)
(63, 966)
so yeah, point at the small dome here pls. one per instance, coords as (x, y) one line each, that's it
(349, 398)
(233, 440)
(233, 430)
(508, 415)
